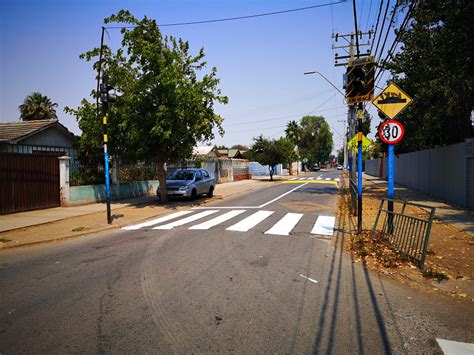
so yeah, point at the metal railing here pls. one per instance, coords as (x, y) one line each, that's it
(406, 234)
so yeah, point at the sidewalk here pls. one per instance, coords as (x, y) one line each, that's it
(55, 224)
(459, 217)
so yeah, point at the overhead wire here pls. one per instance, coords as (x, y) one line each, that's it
(240, 17)
(381, 31)
(377, 25)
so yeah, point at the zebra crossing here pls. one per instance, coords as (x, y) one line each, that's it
(282, 226)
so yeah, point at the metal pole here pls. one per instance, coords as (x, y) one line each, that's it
(391, 184)
(360, 114)
(106, 160)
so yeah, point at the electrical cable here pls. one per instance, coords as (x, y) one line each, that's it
(376, 25)
(368, 17)
(392, 19)
(239, 17)
(383, 25)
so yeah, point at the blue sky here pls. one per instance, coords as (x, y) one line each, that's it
(260, 61)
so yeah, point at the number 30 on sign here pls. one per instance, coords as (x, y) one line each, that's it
(391, 132)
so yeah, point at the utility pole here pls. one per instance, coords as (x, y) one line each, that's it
(359, 85)
(105, 99)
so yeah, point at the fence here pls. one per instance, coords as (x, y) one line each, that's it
(445, 172)
(407, 234)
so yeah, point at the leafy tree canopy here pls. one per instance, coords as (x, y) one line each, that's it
(271, 152)
(166, 104)
(37, 107)
(313, 138)
(435, 67)
(239, 147)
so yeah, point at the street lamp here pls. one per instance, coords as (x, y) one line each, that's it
(334, 86)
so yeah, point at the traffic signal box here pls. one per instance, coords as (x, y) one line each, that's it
(360, 80)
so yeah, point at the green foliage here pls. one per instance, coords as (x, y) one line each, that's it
(37, 107)
(340, 156)
(166, 104)
(435, 67)
(315, 141)
(271, 152)
(240, 147)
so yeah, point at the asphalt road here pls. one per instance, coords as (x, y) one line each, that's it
(183, 290)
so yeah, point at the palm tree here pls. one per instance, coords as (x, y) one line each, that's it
(293, 132)
(37, 107)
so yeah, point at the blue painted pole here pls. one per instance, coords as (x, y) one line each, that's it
(391, 171)
(391, 184)
(360, 115)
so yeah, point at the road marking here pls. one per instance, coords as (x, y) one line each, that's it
(251, 221)
(319, 177)
(324, 225)
(282, 195)
(293, 179)
(186, 220)
(156, 221)
(312, 182)
(218, 220)
(327, 179)
(285, 225)
(450, 347)
(337, 179)
(307, 278)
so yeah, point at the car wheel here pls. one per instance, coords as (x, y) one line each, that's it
(193, 194)
(211, 192)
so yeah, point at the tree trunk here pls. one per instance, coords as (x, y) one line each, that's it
(162, 180)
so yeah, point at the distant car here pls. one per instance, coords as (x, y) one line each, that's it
(339, 167)
(315, 167)
(189, 183)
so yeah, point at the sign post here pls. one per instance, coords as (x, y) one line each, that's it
(391, 101)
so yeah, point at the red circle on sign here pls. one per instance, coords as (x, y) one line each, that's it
(391, 132)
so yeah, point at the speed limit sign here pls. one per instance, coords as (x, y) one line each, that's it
(391, 132)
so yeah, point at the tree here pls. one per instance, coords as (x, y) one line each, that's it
(316, 139)
(166, 104)
(293, 132)
(340, 155)
(271, 152)
(222, 147)
(435, 66)
(240, 147)
(37, 107)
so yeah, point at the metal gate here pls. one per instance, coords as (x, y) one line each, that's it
(470, 183)
(28, 182)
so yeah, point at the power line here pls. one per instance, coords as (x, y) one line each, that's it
(383, 25)
(368, 17)
(240, 17)
(397, 38)
(289, 116)
(377, 25)
(392, 19)
(354, 11)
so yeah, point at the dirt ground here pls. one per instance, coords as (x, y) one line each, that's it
(449, 264)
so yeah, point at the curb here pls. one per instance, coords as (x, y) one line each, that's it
(94, 231)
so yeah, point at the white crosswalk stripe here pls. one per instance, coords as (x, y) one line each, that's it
(157, 221)
(293, 179)
(218, 220)
(337, 179)
(251, 221)
(285, 225)
(328, 179)
(186, 220)
(324, 225)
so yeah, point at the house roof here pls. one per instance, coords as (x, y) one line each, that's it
(205, 150)
(14, 132)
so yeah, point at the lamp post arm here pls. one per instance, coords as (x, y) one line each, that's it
(316, 72)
